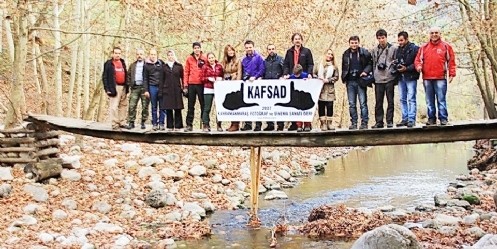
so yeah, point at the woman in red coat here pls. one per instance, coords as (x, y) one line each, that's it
(211, 72)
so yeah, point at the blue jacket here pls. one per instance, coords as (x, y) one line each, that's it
(407, 55)
(303, 75)
(253, 66)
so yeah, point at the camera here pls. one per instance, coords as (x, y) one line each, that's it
(246, 77)
(396, 66)
(354, 73)
(227, 77)
(381, 66)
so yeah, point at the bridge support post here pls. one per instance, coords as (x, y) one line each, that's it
(255, 175)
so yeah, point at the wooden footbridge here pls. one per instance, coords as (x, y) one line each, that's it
(457, 131)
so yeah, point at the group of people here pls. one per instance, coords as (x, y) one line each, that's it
(163, 83)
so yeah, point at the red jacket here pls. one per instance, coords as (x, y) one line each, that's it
(434, 58)
(193, 73)
(213, 72)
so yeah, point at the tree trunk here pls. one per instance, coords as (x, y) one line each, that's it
(57, 61)
(17, 103)
(86, 75)
(1, 30)
(10, 39)
(44, 81)
(74, 59)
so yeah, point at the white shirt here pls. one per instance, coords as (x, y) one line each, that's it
(139, 72)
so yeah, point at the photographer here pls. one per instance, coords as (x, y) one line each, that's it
(408, 77)
(356, 63)
(385, 79)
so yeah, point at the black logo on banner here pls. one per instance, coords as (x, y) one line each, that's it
(234, 100)
(299, 100)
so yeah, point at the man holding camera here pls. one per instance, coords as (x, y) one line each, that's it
(408, 77)
(356, 63)
(385, 76)
(274, 70)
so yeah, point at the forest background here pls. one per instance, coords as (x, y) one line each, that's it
(52, 51)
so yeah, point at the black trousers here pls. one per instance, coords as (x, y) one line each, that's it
(174, 119)
(380, 91)
(194, 91)
(325, 108)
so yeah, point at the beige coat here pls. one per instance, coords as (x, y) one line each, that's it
(233, 69)
(329, 74)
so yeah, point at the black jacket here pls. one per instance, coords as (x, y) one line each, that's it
(109, 78)
(153, 73)
(305, 60)
(131, 74)
(407, 55)
(365, 59)
(274, 67)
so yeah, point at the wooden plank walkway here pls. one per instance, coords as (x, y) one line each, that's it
(457, 131)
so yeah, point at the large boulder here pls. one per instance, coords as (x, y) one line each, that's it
(488, 241)
(390, 236)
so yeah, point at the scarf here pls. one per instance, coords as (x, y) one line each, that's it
(326, 71)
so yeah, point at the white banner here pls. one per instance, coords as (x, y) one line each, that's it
(267, 100)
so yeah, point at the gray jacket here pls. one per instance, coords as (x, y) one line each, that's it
(383, 56)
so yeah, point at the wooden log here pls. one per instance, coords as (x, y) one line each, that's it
(47, 143)
(19, 130)
(47, 135)
(17, 149)
(17, 160)
(17, 140)
(47, 152)
(44, 169)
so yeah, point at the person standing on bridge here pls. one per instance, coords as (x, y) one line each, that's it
(408, 77)
(253, 68)
(116, 87)
(298, 73)
(328, 73)
(435, 60)
(297, 54)
(274, 70)
(356, 63)
(154, 73)
(135, 80)
(170, 92)
(232, 71)
(384, 56)
(192, 81)
(211, 72)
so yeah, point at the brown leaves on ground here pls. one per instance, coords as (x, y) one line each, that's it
(340, 222)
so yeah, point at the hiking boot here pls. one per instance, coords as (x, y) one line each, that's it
(269, 127)
(280, 128)
(162, 128)
(142, 126)
(353, 127)
(363, 127)
(410, 124)
(246, 127)
(431, 122)
(307, 129)
(293, 127)
(189, 128)
(402, 123)
(130, 126)
(444, 122)
(206, 128)
(390, 125)
(377, 126)
(329, 124)
(234, 127)
(155, 127)
(299, 129)
(257, 128)
(322, 125)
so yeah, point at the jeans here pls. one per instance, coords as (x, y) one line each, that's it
(154, 100)
(407, 92)
(354, 91)
(208, 99)
(436, 89)
(380, 90)
(194, 91)
(325, 108)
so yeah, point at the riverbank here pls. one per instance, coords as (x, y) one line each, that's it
(457, 218)
(119, 194)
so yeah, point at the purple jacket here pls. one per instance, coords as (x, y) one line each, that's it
(253, 66)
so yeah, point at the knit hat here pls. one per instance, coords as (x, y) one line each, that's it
(196, 44)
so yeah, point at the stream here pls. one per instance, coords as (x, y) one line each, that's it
(402, 176)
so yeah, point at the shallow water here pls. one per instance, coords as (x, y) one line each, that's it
(401, 176)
